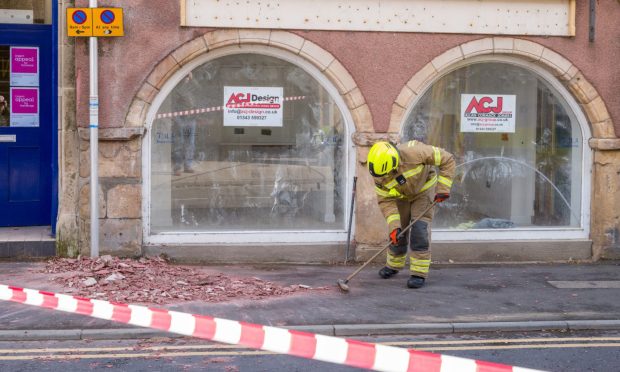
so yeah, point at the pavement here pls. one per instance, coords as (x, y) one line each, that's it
(457, 298)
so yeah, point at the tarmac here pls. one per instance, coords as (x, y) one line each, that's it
(457, 298)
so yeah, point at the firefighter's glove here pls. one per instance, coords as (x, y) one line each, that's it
(441, 197)
(395, 239)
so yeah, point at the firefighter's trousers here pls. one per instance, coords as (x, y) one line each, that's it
(418, 236)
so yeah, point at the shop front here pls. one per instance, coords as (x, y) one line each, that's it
(238, 144)
(27, 114)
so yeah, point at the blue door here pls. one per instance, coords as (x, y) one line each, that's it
(26, 125)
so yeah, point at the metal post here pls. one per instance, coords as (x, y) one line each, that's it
(94, 143)
(592, 27)
(346, 256)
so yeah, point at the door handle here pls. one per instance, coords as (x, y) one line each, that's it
(8, 138)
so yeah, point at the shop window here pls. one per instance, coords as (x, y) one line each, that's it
(26, 11)
(247, 142)
(517, 143)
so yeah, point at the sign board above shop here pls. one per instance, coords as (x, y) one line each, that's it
(508, 17)
(99, 22)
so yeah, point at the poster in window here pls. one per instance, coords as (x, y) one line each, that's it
(24, 107)
(253, 106)
(24, 66)
(488, 113)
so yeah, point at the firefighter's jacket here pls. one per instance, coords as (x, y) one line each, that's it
(415, 175)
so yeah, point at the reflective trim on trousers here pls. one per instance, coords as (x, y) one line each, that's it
(395, 262)
(420, 266)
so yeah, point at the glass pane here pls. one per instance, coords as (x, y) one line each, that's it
(26, 11)
(527, 178)
(5, 71)
(275, 165)
(19, 86)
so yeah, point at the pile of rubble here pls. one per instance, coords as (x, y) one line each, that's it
(155, 281)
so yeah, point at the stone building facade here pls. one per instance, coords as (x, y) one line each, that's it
(376, 80)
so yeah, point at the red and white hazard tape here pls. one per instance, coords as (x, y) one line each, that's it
(302, 344)
(216, 108)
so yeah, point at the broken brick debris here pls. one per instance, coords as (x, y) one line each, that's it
(156, 281)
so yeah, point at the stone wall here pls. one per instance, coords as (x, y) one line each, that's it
(67, 229)
(120, 192)
(120, 172)
(605, 229)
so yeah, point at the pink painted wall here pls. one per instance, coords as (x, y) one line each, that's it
(381, 63)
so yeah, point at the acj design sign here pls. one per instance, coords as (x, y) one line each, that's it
(488, 113)
(253, 106)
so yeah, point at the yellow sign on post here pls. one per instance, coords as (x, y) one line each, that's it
(108, 22)
(79, 22)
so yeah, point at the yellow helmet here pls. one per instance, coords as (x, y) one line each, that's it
(382, 159)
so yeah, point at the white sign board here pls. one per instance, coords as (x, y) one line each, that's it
(489, 113)
(16, 16)
(491, 17)
(253, 106)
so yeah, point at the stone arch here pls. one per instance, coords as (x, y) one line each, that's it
(336, 73)
(584, 93)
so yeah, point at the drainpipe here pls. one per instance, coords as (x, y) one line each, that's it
(592, 27)
(94, 143)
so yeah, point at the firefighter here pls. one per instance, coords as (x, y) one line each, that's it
(406, 183)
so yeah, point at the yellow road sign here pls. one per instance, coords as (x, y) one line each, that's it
(108, 22)
(79, 22)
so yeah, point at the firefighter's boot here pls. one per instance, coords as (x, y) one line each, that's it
(387, 272)
(415, 281)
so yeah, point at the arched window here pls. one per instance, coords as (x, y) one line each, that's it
(519, 147)
(250, 147)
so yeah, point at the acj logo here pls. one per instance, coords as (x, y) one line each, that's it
(239, 98)
(483, 105)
